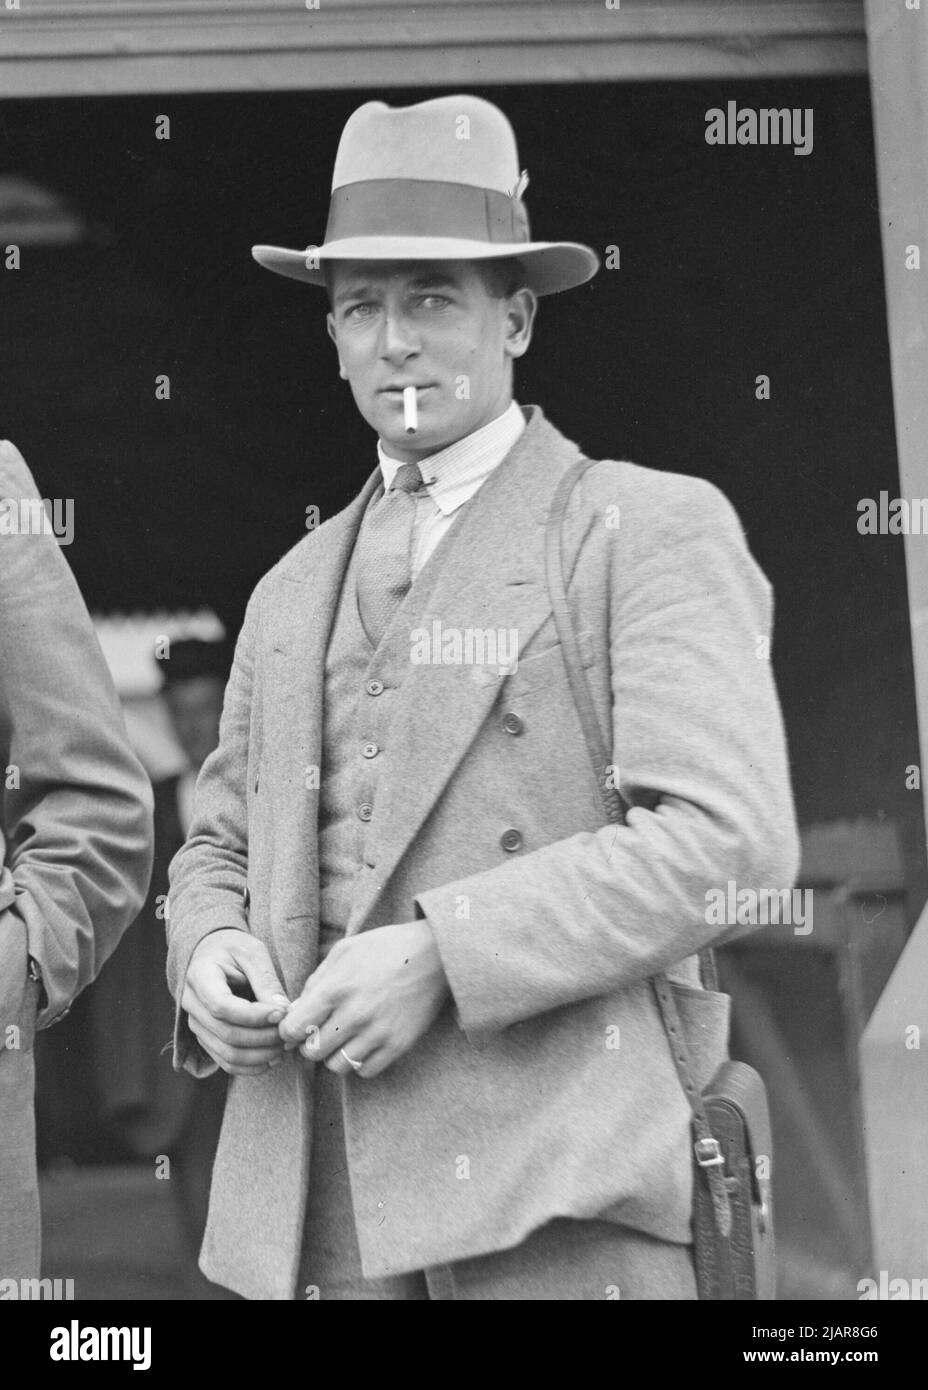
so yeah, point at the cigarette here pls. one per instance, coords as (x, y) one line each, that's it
(410, 409)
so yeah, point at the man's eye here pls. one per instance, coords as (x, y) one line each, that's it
(358, 311)
(435, 301)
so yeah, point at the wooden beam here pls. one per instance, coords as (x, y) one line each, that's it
(899, 92)
(894, 1094)
(75, 47)
(894, 1048)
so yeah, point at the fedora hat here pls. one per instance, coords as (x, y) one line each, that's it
(438, 181)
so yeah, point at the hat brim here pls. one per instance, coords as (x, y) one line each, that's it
(550, 266)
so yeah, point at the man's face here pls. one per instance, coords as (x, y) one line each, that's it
(195, 707)
(433, 325)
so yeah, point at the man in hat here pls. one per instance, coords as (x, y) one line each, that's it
(400, 922)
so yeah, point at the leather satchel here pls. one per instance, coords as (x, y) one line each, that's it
(733, 1243)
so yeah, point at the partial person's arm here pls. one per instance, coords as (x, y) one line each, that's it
(699, 740)
(698, 736)
(208, 875)
(76, 802)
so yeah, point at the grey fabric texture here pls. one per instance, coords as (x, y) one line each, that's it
(516, 1108)
(76, 842)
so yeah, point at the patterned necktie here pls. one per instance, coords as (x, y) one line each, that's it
(385, 552)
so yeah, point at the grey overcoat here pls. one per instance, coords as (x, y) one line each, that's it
(76, 830)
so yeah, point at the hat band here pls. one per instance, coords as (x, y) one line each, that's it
(425, 208)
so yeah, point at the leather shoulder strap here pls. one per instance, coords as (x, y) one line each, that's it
(708, 1152)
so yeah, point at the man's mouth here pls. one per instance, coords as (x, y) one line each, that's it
(397, 391)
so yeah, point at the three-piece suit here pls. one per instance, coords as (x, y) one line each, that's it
(545, 1089)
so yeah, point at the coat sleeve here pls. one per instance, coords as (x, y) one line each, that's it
(208, 875)
(698, 737)
(77, 804)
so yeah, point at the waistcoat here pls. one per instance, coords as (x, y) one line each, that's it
(361, 686)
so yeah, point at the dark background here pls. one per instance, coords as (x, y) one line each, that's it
(735, 261)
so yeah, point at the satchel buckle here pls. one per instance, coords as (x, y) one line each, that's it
(708, 1153)
(763, 1217)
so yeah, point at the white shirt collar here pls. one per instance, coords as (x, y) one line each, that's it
(454, 474)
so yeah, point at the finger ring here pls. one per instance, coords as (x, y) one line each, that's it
(350, 1060)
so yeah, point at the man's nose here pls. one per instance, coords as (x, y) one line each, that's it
(398, 340)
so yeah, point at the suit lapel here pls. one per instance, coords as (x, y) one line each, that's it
(492, 578)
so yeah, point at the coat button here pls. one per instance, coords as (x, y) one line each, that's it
(374, 687)
(512, 724)
(365, 812)
(510, 840)
(370, 750)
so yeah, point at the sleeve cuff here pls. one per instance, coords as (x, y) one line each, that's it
(188, 1055)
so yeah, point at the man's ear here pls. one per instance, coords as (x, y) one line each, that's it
(330, 325)
(520, 319)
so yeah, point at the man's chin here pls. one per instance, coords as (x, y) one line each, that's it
(427, 439)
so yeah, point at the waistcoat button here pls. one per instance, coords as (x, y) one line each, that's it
(510, 840)
(512, 724)
(365, 812)
(370, 750)
(374, 687)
